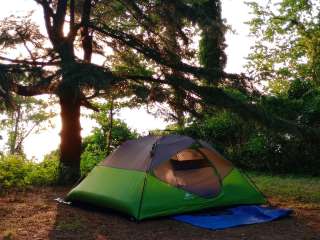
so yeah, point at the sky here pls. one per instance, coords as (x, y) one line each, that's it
(239, 43)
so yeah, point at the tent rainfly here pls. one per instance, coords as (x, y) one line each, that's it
(158, 176)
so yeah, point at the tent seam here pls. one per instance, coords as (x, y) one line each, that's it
(141, 196)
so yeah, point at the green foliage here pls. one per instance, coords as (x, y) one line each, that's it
(294, 88)
(283, 106)
(259, 152)
(46, 172)
(265, 150)
(14, 172)
(127, 62)
(236, 94)
(212, 42)
(276, 153)
(95, 145)
(256, 145)
(17, 172)
(220, 126)
(222, 129)
(311, 110)
(89, 160)
(298, 88)
(300, 103)
(287, 40)
(250, 146)
(279, 87)
(30, 115)
(94, 151)
(204, 46)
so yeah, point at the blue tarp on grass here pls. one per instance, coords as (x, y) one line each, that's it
(233, 217)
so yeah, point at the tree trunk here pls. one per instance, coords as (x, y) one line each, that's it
(110, 126)
(70, 147)
(16, 116)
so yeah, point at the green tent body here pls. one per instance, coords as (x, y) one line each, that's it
(159, 176)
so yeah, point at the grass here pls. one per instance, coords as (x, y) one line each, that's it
(70, 225)
(286, 187)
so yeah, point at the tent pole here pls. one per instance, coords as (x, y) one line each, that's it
(213, 166)
(142, 193)
(254, 185)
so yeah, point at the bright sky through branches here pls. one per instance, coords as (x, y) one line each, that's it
(236, 13)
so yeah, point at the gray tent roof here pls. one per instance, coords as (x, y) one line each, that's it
(147, 152)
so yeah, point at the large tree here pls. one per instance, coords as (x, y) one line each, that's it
(286, 55)
(52, 67)
(154, 59)
(287, 43)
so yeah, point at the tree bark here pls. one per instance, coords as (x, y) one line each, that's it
(14, 134)
(110, 126)
(70, 146)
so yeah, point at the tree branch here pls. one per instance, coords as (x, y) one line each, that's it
(86, 103)
(48, 16)
(59, 18)
(72, 16)
(45, 86)
(30, 63)
(85, 35)
(74, 27)
(244, 109)
(149, 52)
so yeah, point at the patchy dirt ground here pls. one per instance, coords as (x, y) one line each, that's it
(35, 215)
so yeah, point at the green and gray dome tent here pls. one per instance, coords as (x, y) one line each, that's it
(158, 176)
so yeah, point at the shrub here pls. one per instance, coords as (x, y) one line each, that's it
(89, 159)
(46, 172)
(298, 88)
(17, 172)
(14, 172)
(252, 147)
(278, 153)
(223, 129)
(95, 145)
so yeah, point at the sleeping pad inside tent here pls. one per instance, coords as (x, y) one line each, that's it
(158, 176)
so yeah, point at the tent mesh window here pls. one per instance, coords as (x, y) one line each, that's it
(191, 171)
